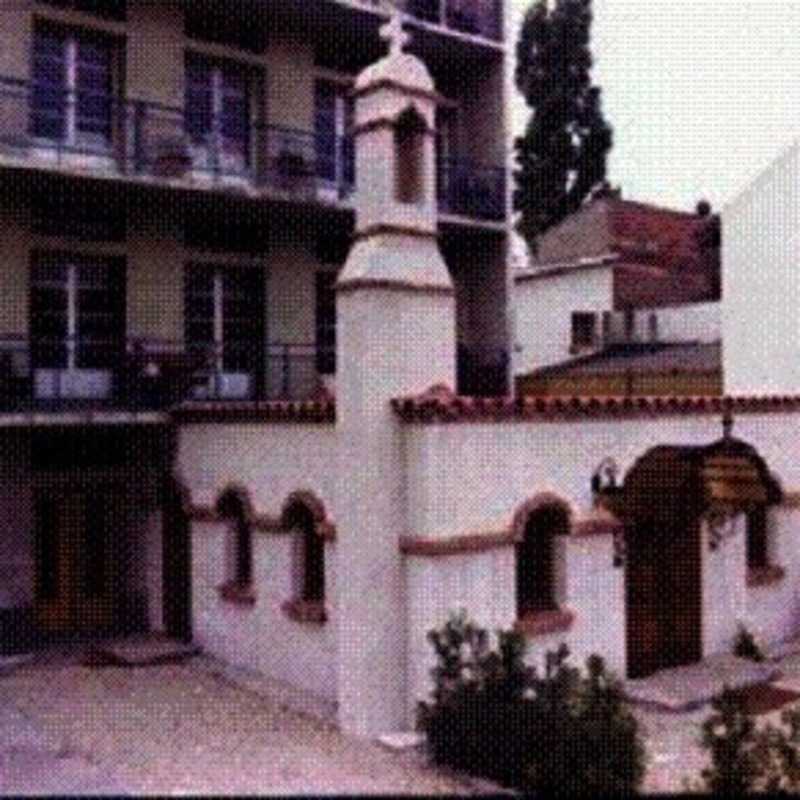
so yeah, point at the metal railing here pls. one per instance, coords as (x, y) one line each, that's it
(141, 374)
(475, 17)
(468, 189)
(137, 137)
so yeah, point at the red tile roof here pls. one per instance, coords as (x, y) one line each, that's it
(647, 234)
(438, 405)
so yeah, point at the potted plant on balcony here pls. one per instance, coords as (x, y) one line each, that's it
(171, 157)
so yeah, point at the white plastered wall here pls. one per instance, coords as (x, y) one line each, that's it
(261, 637)
(467, 478)
(270, 462)
(543, 313)
(700, 322)
(760, 255)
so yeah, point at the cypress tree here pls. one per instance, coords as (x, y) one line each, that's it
(561, 157)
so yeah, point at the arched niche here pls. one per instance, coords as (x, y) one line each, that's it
(410, 133)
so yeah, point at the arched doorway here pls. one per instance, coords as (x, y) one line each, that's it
(662, 503)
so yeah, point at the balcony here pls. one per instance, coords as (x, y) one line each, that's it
(87, 131)
(105, 135)
(146, 375)
(474, 17)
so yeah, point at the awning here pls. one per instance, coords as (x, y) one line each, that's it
(670, 484)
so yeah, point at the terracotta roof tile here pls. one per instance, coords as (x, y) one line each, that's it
(439, 409)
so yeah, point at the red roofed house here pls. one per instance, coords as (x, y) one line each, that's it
(620, 278)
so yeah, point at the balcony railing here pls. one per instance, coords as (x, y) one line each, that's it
(475, 17)
(145, 375)
(468, 189)
(87, 131)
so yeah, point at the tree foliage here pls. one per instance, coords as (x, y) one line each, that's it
(561, 157)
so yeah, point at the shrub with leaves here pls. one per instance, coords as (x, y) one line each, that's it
(730, 736)
(494, 716)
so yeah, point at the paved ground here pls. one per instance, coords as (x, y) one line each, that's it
(175, 729)
(194, 728)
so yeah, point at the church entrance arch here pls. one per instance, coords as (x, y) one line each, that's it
(663, 501)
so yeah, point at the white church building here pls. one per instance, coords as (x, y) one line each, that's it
(329, 537)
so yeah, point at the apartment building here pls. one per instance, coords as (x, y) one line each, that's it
(175, 201)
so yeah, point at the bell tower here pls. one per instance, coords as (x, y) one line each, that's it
(396, 336)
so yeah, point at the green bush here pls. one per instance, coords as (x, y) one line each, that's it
(745, 646)
(494, 716)
(730, 736)
(745, 758)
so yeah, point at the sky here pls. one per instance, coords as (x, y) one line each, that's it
(702, 94)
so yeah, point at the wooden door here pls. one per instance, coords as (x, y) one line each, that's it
(58, 523)
(663, 596)
(74, 590)
(642, 592)
(681, 590)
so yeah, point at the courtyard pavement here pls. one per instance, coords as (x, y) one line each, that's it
(198, 727)
(182, 729)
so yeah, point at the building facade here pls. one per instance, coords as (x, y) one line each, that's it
(176, 202)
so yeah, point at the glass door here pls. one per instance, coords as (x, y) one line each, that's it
(218, 117)
(77, 325)
(72, 94)
(223, 313)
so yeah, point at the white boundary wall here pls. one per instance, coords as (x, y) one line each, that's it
(270, 461)
(470, 477)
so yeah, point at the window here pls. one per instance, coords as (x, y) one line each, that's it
(233, 508)
(72, 92)
(310, 577)
(223, 316)
(535, 561)
(326, 322)
(652, 327)
(77, 318)
(409, 138)
(333, 140)
(757, 544)
(218, 116)
(583, 330)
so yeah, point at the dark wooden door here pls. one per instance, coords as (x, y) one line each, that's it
(663, 597)
(74, 561)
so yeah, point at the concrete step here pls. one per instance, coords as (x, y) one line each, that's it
(689, 687)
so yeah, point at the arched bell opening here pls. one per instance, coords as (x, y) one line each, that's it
(409, 143)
